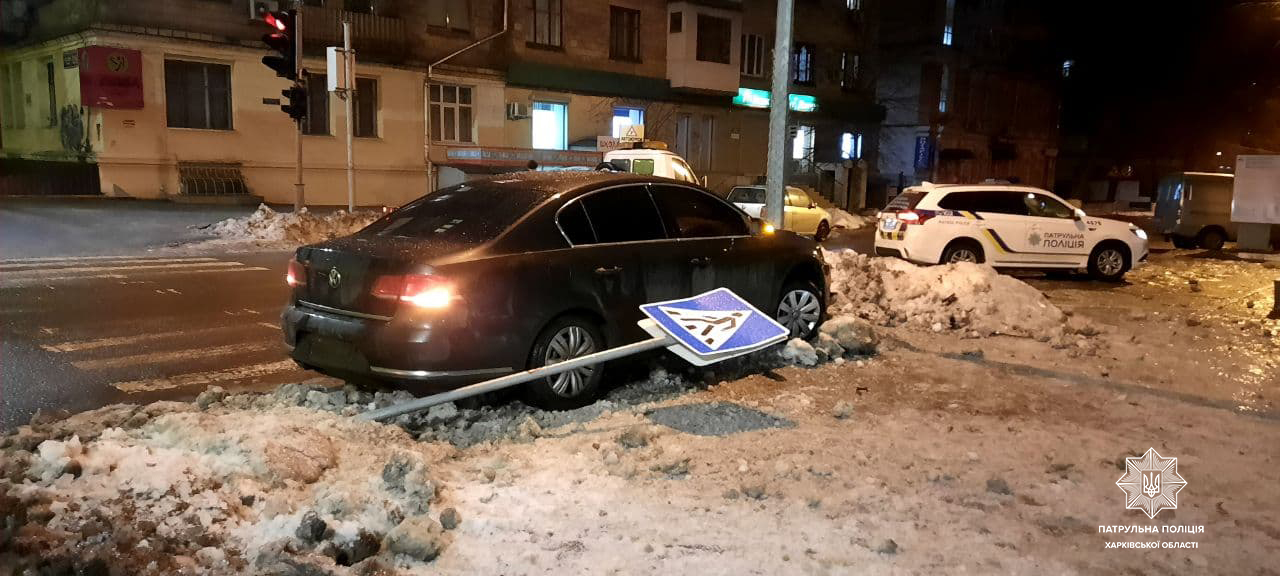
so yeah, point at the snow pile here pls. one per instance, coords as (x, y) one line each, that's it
(228, 491)
(964, 296)
(266, 226)
(842, 219)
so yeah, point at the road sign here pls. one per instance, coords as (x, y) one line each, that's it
(713, 326)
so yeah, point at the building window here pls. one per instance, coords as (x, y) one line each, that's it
(714, 38)
(1067, 65)
(451, 113)
(546, 23)
(802, 64)
(317, 121)
(850, 146)
(944, 89)
(624, 34)
(853, 4)
(197, 95)
(624, 118)
(677, 22)
(11, 93)
(948, 27)
(850, 64)
(52, 103)
(366, 108)
(550, 125)
(752, 61)
(802, 144)
(451, 14)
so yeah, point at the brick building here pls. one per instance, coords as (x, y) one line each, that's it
(559, 76)
(971, 92)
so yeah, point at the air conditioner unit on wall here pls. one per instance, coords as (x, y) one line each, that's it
(517, 110)
(258, 8)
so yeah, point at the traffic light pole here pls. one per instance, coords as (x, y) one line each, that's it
(299, 193)
(349, 62)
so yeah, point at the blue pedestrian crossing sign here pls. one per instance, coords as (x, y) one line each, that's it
(712, 326)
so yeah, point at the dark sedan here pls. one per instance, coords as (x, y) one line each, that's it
(517, 271)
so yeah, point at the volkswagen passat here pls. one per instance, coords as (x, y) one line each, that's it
(518, 271)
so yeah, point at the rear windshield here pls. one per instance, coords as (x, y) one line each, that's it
(747, 196)
(463, 214)
(906, 200)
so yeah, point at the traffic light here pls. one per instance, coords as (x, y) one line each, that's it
(297, 106)
(281, 39)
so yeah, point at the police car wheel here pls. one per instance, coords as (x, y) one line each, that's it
(1108, 262)
(962, 251)
(824, 230)
(566, 338)
(800, 309)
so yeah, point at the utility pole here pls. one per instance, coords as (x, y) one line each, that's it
(349, 62)
(299, 194)
(775, 196)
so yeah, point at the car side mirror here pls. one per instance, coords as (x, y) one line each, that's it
(813, 205)
(1079, 214)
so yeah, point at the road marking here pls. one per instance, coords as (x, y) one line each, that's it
(204, 378)
(79, 258)
(10, 264)
(269, 325)
(77, 345)
(93, 269)
(4, 280)
(161, 357)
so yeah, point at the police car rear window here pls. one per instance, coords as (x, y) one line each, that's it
(905, 201)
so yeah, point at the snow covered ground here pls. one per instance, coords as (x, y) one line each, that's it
(942, 423)
(267, 229)
(842, 219)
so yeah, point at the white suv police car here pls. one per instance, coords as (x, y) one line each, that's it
(1007, 227)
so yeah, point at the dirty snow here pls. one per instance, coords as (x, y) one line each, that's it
(971, 298)
(842, 219)
(266, 228)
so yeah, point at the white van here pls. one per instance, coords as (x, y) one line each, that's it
(651, 162)
(1193, 209)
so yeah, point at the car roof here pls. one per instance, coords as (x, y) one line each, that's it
(568, 182)
(928, 187)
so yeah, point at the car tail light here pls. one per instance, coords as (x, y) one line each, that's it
(913, 217)
(420, 290)
(297, 274)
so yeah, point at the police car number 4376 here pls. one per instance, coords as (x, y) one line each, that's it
(1007, 227)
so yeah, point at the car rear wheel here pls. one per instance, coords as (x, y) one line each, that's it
(1212, 239)
(800, 309)
(566, 338)
(1108, 263)
(824, 230)
(962, 251)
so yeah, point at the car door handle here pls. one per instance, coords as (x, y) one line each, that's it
(602, 271)
(700, 262)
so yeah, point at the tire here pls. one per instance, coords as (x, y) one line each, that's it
(1211, 239)
(1183, 242)
(963, 250)
(807, 299)
(565, 338)
(824, 230)
(1109, 262)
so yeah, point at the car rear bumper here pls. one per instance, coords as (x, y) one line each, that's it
(349, 346)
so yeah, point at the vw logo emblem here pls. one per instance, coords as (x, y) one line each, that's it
(335, 278)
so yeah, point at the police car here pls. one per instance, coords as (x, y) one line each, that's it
(1007, 227)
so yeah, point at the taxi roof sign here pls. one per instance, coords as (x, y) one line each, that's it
(713, 326)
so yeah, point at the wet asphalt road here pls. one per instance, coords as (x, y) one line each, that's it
(80, 332)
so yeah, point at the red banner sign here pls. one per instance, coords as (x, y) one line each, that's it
(111, 78)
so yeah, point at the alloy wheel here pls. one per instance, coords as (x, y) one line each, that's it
(1110, 262)
(799, 311)
(963, 255)
(569, 343)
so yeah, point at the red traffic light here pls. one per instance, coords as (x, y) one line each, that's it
(274, 22)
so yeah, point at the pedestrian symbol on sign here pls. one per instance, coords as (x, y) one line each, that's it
(713, 326)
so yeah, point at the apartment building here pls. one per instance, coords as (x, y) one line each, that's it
(971, 91)
(169, 98)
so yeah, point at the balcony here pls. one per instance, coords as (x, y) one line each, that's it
(373, 37)
(703, 47)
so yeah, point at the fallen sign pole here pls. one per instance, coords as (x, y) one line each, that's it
(704, 329)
